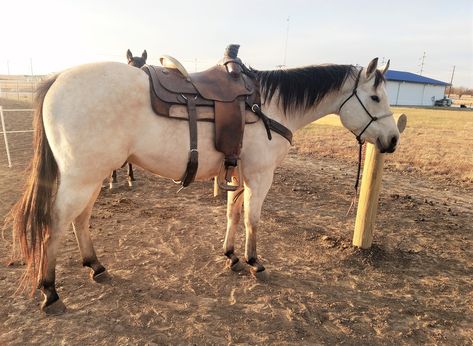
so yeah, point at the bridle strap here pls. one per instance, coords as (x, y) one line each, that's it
(353, 92)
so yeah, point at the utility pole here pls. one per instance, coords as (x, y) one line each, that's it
(451, 82)
(422, 64)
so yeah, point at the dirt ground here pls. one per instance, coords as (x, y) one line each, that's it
(169, 284)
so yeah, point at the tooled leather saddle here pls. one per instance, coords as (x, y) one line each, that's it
(229, 88)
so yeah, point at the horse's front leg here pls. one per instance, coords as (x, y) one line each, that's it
(234, 203)
(256, 189)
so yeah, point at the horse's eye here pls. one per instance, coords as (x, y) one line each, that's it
(375, 98)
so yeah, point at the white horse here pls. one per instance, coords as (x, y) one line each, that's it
(85, 110)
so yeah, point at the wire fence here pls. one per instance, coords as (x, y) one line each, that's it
(17, 132)
(21, 89)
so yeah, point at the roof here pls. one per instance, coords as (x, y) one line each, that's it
(411, 77)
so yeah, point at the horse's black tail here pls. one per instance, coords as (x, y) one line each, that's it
(31, 215)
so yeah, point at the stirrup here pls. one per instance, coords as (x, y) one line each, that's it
(224, 177)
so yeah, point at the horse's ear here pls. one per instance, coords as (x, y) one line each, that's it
(129, 56)
(144, 55)
(384, 69)
(371, 69)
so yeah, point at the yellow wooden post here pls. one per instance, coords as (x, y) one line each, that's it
(369, 192)
(368, 200)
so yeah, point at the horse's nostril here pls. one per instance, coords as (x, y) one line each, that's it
(393, 141)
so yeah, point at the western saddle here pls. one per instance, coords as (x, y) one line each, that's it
(229, 88)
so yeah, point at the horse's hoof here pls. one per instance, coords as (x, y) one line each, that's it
(56, 308)
(100, 277)
(131, 183)
(235, 266)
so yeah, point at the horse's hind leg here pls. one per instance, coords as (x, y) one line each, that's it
(131, 178)
(70, 201)
(81, 230)
(234, 203)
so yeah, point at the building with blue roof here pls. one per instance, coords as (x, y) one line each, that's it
(410, 89)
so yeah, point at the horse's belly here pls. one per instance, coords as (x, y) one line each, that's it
(162, 147)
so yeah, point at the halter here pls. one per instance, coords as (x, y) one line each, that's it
(372, 118)
(358, 137)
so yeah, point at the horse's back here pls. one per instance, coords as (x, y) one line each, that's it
(92, 85)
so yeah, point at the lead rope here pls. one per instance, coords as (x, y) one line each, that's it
(355, 197)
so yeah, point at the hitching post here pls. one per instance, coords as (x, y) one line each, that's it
(369, 192)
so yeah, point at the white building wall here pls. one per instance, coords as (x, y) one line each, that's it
(392, 88)
(432, 93)
(413, 94)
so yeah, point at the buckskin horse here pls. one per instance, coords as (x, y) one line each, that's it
(63, 184)
(136, 61)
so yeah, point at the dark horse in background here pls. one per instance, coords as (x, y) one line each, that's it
(136, 61)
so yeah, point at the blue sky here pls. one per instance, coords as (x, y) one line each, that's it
(55, 35)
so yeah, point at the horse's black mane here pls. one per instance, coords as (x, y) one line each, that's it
(301, 88)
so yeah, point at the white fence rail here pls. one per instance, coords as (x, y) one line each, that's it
(5, 132)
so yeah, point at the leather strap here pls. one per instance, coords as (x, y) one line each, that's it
(280, 129)
(270, 124)
(193, 162)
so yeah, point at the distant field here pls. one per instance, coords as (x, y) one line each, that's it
(436, 142)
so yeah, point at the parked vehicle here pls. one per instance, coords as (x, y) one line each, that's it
(445, 102)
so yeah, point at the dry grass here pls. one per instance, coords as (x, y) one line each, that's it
(436, 143)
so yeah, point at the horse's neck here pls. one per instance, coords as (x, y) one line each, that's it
(297, 119)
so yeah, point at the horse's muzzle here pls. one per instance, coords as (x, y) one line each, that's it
(390, 148)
